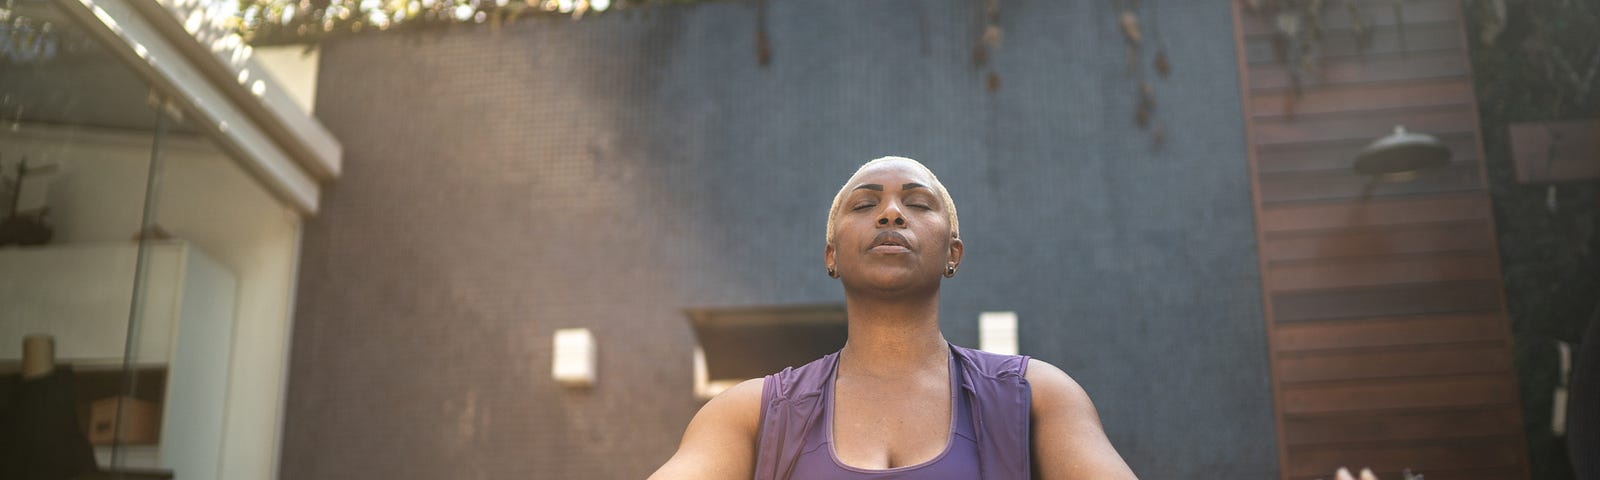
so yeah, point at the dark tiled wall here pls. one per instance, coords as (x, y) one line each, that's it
(609, 172)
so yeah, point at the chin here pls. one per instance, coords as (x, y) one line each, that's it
(890, 280)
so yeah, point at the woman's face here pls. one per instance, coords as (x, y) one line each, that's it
(892, 233)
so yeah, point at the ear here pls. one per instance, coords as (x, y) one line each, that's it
(827, 257)
(956, 250)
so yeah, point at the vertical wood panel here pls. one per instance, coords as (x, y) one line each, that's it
(1365, 126)
(1366, 71)
(1380, 271)
(1468, 391)
(1390, 346)
(1347, 365)
(1404, 331)
(1495, 473)
(1336, 155)
(1496, 453)
(1384, 40)
(1376, 212)
(1398, 299)
(1379, 15)
(1361, 98)
(1402, 426)
(1447, 237)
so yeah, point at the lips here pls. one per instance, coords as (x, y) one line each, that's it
(890, 240)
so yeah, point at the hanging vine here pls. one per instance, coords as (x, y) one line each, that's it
(763, 45)
(1134, 39)
(1298, 35)
(277, 22)
(989, 37)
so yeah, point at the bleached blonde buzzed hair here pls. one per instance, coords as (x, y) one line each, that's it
(944, 195)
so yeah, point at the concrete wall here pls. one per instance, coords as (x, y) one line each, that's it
(609, 172)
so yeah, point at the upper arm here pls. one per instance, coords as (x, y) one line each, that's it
(1068, 441)
(720, 442)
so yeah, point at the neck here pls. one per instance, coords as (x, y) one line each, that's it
(893, 338)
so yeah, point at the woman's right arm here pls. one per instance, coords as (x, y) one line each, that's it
(720, 442)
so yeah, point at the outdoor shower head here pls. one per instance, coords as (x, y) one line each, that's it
(1401, 153)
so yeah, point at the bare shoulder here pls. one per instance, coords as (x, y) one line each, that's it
(1054, 390)
(721, 439)
(1068, 442)
(740, 406)
(735, 413)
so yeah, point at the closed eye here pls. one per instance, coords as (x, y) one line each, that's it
(864, 206)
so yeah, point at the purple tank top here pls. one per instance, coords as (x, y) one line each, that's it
(958, 460)
(988, 438)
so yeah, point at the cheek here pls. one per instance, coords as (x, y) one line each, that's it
(938, 225)
(845, 235)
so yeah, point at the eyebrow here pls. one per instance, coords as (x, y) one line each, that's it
(878, 188)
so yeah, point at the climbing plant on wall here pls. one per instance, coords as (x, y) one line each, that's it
(1298, 27)
(272, 22)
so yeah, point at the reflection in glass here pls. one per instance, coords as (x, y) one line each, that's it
(124, 230)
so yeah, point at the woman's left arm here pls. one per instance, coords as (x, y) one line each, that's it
(1068, 441)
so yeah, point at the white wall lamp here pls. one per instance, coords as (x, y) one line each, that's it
(997, 332)
(574, 363)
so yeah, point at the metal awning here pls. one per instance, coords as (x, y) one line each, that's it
(178, 48)
(750, 342)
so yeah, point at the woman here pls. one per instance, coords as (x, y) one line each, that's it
(898, 401)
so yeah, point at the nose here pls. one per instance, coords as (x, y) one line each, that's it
(892, 214)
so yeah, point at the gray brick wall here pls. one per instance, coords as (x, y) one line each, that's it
(609, 172)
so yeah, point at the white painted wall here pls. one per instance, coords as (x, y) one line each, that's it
(80, 292)
(205, 199)
(198, 376)
(295, 69)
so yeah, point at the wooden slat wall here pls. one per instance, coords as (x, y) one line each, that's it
(1390, 345)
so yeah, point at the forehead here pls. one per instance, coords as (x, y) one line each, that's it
(891, 174)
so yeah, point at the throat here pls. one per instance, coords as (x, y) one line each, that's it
(893, 341)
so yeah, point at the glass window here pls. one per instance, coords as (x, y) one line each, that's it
(143, 273)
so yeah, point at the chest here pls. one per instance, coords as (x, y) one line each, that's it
(891, 425)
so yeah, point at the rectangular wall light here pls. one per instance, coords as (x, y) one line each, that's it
(997, 332)
(573, 364)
